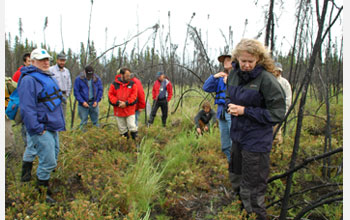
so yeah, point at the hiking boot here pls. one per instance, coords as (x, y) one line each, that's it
(49, 200)
(149, 124)
(126, 134)
(45, 183)
(26, 171)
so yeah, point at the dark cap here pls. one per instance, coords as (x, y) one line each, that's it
(89, 70)
(222, 57)
(61, 56)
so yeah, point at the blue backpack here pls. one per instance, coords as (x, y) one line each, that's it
(12, 110)
(51, 96)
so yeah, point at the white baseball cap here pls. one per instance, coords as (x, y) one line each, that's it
(39, 54)
(278, 66)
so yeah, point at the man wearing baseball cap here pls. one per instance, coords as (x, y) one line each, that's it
(288, 91)
(62, 75)
(88, 91)
(41, 111)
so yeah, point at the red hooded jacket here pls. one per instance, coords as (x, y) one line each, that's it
(156, 86)
(123, 91)
(17, 74)
(141, 103)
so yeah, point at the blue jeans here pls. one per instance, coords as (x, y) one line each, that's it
(85, 112)
(23, 134)
(137, 115)
(226, 142)
(46, 147)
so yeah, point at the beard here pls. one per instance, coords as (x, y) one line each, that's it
(61, 66)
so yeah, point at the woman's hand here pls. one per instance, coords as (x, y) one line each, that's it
(235, 110)
(220, 74)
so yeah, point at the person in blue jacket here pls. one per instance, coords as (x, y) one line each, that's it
(256, 102)
(41, 111)
(217, 83)
(88, 91)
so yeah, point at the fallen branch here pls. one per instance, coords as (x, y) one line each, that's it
(315, 205)
(153, 27)
(306, 161)
(182, 95)
(304, 191)
(328, 195)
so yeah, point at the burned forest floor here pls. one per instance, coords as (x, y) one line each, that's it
(170, 172)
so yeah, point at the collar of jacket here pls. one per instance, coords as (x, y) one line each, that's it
(247, 76)
(121, 81)
(30, 69)
(165, 81)
(83, 76)
(58, 68)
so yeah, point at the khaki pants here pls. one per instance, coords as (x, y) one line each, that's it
(126, 124)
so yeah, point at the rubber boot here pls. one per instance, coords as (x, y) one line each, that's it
(126, 134)
(134, 135)
(26, 171)
(45, 183)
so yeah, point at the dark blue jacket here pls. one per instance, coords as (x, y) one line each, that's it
(264, 101)
(36, 115)
(81, 88)
(218, 86)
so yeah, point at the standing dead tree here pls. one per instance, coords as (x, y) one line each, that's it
(200, 46)
(61, 33)
(172, 50)
(20, 29)
(83, 64)
(88, 42)
(328, 132)
(270, 27)
(305, 86)
(184, 51)
(44, 28)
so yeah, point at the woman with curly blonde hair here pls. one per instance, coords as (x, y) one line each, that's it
(257, 49)
(255, 100)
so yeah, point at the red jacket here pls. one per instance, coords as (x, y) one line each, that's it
(141, 103)
(126, 92)
(156, 86)
(17, 74)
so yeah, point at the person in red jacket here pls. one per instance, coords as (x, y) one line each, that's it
(161, 93)
(15, 77)
(141, 103)
(26, 62)
(122, 95)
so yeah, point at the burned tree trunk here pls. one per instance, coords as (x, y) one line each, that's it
(305, 85)
(270, 26)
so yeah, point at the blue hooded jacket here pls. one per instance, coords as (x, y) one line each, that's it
(36, 115)
(81, 88)
(218, 86)
(264, 101)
